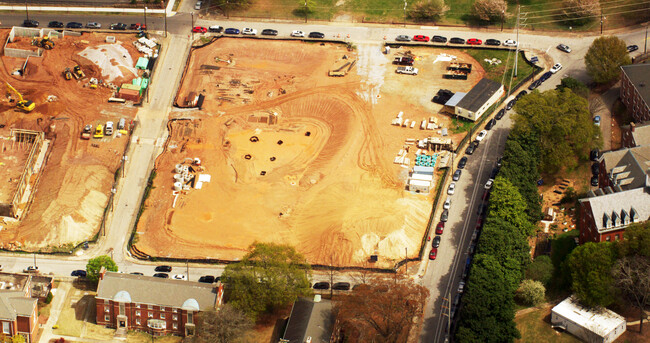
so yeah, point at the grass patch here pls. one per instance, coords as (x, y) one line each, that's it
(459, 125)
(496, 71)
(98, 332)
(535, 328)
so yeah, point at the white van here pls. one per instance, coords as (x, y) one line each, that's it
(108, 130)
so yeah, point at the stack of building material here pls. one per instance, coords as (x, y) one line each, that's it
(421, 179)
(129, 92)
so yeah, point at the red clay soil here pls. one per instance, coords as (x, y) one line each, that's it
(76, 180)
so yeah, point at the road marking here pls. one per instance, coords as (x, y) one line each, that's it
(429, 27)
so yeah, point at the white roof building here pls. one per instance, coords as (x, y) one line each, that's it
(597, 325)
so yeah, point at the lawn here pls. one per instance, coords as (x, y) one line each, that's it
(535, 327)
(496, 71)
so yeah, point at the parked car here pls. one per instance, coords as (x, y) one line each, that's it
(545, 76)
(452, 188)
(597, 120)
(200, 29)
(30, 23)
(481, 135)
(461, 287)
(556, 68)
(137, 26)
(269, 32)
(510, 43)
(206, 279)
(474, 41)
(457, 174)
(341, 286)
(137, 273)
(490, 124)
(500, 114)
(595, 168)
(421, 38)
(316, 35)
(161, 275)
(179, 277)
(534, 85)
(489, 183)
(297, 33)
(564, 47)
(440, 228)
(499, 160)
(108, 129)
(462, 162)
(494, 42)
(521, 94)
(511, 104)
(93, 25)
(322, 285)
(216, 28)
(78, 273)
(481, 209)
(447, 204)
(403, 38)
(433, 254)
(118, 26)
(248, 31)
(198, 5)
(439, 39)
(74, 25)
(436, 242)
(594, 181)
(632, 48)
(55, 24)
(165, 269)
(231, 31)
(31, 269)
(470, 148)
(457, 40)
(594, 154)
(444, 216)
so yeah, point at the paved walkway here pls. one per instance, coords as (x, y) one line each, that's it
(601, 105)
(60, 294)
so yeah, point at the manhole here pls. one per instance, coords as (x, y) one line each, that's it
(247, 156)
(307, 133)
(263, 173)
(272, 158)
(280, 142)
(254, 139)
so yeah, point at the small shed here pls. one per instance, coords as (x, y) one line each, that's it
(419, 186)
(423, 170)
(143, 62)
(598, 325)
(422, 177)
(128, 94)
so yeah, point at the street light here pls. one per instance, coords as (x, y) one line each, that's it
(503, 18)
(145, 18)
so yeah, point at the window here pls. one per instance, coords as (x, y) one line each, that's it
(162, 316)
(608, 238)
(175, 317)
(107, 318)
(174, 310)
(121, 309)
(150, 314)
(175, 326)
(5, 328)
(616, 237)
(137, 306)
(189, 317)
(137, 313)
(107, 309)
(137, 321)
(151, 307)
(162, 308)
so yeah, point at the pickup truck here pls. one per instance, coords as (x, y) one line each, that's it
(405, 61)
(407, 70)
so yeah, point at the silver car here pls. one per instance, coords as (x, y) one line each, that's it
(93, 25)
(403, 38)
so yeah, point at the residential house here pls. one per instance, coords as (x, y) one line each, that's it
(634, 135)
(19, 294)
(627, 168)
(635, 91)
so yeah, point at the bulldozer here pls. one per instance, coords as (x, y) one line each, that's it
(67, 74)
(25, 105)
(78, 73)
(45, 43)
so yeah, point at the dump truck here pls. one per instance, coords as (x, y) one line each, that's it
(405, 61)
(87, 132)
(407, 70)
(464, 67)
(78, 73)
(23, 104)
(454, 75)
(45, 43)
(67, 74)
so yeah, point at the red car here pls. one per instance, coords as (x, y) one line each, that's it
(421, 38)
(199, 29)
(439, 228)
(137, 26)
(433, 254)
(479, 223)
(474, 41)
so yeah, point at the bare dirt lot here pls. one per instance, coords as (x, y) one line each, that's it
(12, 162)
(73, 187)
(295, 156)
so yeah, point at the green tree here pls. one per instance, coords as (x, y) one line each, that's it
(591, 265)
(605, 57)
(541, 270)
(574, 85)
(95, 264)
(506, 204)
(562, 122)
(519, 166)
(531, 293)
(428, 10)
(18, 338)
(561, 248)
(269, 276)
(636, 242)
(227, 325)
(506, 243)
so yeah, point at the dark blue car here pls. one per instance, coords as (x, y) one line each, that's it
(74, 25)
(546, 76)
(231, 31)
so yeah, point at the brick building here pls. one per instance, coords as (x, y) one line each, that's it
(634, 135)
(635, 90)
(18, 314)
(154, 305)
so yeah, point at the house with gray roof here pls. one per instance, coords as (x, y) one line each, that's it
(634, 135)
(635, 90)
(154, 305)
(483, 95)
(627, 168)
(18, 314)
(311, 320)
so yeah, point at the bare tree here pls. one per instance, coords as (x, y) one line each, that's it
(428, 10)
(580, 8)
(227, 325)
(632, 277)
(490, 10)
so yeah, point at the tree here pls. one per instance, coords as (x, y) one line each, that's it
(605, 57)
(531, 292)
(491, 10)
(562, 122)
(269, 276)
(574, 85)
(541, 270)
(519, 166)
(18, 338)
(95, 265)
(561, 248)
(506, 243)
(428, 10)
(591, 265)
(632, 275)
(578, 9)
(381, 311)
(506, 204)
(227, 325)
(636, 242)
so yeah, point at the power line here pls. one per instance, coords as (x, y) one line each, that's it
(602, 9)
(585, 17)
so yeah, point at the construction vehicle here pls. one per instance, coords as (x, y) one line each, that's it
(405, 61)
(407, 70)
(99, 131)
(67, 74)
(25, 105)
(341, 70)
(45, 43)
(78, 73)
(87, 132)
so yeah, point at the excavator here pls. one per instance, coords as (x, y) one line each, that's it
(44, 43)
(67, 74)
(23, 104)
(78, 73)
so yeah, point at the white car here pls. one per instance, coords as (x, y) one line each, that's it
(248, 31)
(556, 68)
(481, 135)
(297, 33)
(510, 42)
(198, 5)
(452, 188)
(489, 183)
(447, 204)
(179, 277)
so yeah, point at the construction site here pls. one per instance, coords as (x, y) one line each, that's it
(57, 176)
(291, 142)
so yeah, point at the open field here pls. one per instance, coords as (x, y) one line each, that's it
(72, 186)
(535, 326)
(295, 156)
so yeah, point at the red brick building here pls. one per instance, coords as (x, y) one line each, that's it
(18, 314)
(153, 305)
(635, 135)
(635, 90)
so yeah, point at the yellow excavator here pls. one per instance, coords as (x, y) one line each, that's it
(25, 105)
(45, 43)
(67, 74)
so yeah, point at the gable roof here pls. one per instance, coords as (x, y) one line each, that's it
(149, 290)
(641, 134)
(616, 210)
(600, 321)
(14, 303)
(639, 75)
(629, 167)
(479, 94)
(310, 319)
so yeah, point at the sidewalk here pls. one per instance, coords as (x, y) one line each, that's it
(21, 8)
(59, 299)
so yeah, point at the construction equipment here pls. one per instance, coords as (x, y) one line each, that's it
(45, 43)
(87, 132)
(99, 131)
(78, 73)
(67, 74)
(25, 105)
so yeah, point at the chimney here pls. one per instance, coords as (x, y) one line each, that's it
(317, 298)
(102, 272)
(632, 125)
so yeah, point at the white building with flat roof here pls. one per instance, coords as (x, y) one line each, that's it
(594, 325)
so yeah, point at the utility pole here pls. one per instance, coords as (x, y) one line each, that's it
(645, 42)
(145, 18)
(35, 260)
(503, 18)
(192, 14)
(165, 20)
(518, 43)
(306, 13)
(405, 13)
(187, 264)
(26, 10)
(601, 20)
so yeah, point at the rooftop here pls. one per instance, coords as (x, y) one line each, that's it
(453, 101)
(615, 210)
(475, 98)
(310, 319)
(639, 75)
(149, 290)
(641, 134)
(628, 167)
(600, 321)
(15, 303)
